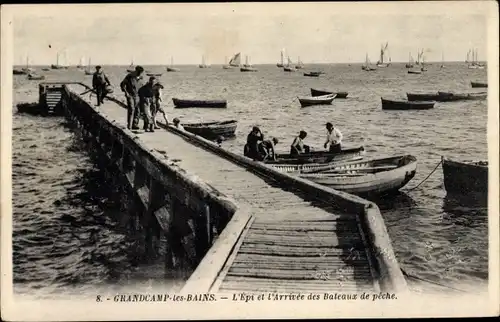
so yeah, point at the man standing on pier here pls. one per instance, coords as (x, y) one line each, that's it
(130, 87)
(99, 82)
(147, 104)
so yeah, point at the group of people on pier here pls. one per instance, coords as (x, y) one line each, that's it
(262, 149)
(143, 100)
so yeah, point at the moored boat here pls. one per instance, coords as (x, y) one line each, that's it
(414, 71)
(316, 100)
(365, 177)
(185, 103)
(465, 177)
(478, 85)
(288, 69)
(313, 74)
(321, 92)
(406, 105)
(33, 76)
(423, 96)
(450, 96)
(318, 157)
(212, 130)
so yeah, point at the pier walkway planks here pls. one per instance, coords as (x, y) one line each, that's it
(293, 244)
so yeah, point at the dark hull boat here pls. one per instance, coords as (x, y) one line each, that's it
(153, 74)
(320, 92)
(423, 96)
(182, 103)
(212, 130)
(478, 85)
(318, 157)
(288, 69)
(58, 67)
(317, 100)
(171, 69)
(414, 72)
(370, 177)
(468, 178)
(36, 77)
(313, 74)
(248, 69)
(406, 105)
(451, 97)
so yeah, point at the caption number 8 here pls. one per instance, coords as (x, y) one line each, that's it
(98, 298)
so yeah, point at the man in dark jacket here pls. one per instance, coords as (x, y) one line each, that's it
(130, 87)
(99, 83)
(147, 105)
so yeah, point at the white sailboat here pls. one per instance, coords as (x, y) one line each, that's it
(203, 64)
(80, 63)
(57, 65)
(442, 61)
(289, 65)
(368, 65)
(410, 61)
(383, 50)
(235, 61)
(87, 69)
(474, 64)
(281, 63)
(131, 68)
(423, 63)
(171, 68)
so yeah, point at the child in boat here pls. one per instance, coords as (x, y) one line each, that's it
(266, 149)
(157, 105)
(333, 138)
(298, 146)
(251, 149)
(177, 124)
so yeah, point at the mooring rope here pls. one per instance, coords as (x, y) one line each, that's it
(426, 177)
(431, 282)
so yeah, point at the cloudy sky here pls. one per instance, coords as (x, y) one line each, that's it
(317, 32)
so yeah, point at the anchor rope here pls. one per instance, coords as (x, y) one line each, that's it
(426, 177)
(431, 282)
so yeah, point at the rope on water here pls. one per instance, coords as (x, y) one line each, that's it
(431, 282)
(426, 177)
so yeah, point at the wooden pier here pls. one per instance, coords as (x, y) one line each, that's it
(280, 233)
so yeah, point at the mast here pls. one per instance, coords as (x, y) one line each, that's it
(382, 54)
(171, 61)
(246, 60)
(57, 59)
(282, 57)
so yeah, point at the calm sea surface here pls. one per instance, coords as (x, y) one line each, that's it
(65, 237)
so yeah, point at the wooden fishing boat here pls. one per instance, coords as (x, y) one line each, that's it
(212, 130)
(366, 177)
(451, 97)
(321, 92)
(318, 157)
(33, 76)
(465, 177)
(406, 105)
(478, 85)
(414, 71)
(313, 74)
(19, 72)
(171, 68)
(184, 103)
(423, 96)
(317, 100)
(289, 69)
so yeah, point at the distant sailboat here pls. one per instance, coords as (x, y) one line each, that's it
(442, 61)
(247, 67)
(171, 68)
(87, 69)
(80, 64)
(474, 64)
(289, 66)
(383, 51)
(131, 67)
(281, 64)
(410, 61)
(25, 70)
(419, 57)
(299, 65)
(57, 65)
(235, 61)
(423, 64)
(368, 65)
(202, 65)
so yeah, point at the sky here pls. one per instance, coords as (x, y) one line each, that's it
(317, 32)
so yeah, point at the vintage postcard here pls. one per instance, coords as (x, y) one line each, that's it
(249, 160)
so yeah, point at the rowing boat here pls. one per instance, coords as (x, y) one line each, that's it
(423, 96)
(184, 103)
(465, 177)
(317, 100)
(33, 76)
(478, 84)
(318, 157)
(321, 92)
(313, 74)
(406, 105)
(451, 97)
(212, 130)
(366, 177)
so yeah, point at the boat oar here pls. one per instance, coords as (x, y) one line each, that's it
(89, 90)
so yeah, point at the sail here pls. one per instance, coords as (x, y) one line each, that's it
(236, 60)
(289, 61)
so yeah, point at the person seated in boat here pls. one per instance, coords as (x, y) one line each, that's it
(333, 138)
(251, 149)
(266, 149)
(177, 124)
(298, 146)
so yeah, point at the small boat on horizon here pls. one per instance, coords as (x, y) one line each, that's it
(316, 100)
(388, 104)
(57, 65)
(383, 50)
(34, 76)
(171, 68)
(478, 85)
(203, 64)
(367, 66)
(235, 61)
(313, 74)
(190, 103)
(247, 67)
(281, 63)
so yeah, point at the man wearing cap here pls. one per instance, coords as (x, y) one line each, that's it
(333, 138)
(157, 104)
(146, 101)
(99, 83)
(130, 87)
